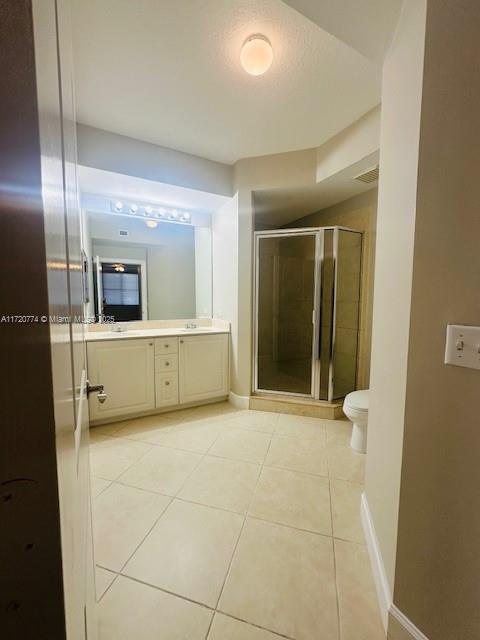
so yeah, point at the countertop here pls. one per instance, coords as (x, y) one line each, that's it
(93, 336)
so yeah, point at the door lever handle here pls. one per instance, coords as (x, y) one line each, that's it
(101, 395)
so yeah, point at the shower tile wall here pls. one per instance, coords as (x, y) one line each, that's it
(347, 312)
(356, 213)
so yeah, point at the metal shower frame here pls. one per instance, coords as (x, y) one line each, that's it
(319, 234)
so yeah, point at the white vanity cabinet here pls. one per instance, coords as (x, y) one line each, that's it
(147, 374)
(126, 369)
(203, 367)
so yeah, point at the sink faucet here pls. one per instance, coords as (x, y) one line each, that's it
(191, 325)
(118, 327)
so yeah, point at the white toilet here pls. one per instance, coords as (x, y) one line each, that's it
(355, 407)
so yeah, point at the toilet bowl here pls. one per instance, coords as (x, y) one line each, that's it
(355, 407)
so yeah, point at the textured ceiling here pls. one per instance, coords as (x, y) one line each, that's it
(366, 25)
(167, 71)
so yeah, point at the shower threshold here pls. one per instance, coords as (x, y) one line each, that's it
(297, 406)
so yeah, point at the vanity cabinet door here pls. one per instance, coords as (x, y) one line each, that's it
(203, 367)
(126, 369)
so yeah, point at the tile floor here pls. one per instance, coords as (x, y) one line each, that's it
(230, 525)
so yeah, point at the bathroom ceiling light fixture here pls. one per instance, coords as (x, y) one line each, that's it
(151, 213)
(256, 55)
(119, 268)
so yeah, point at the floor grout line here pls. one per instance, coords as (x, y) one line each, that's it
(337, 598)
(146, 535)
(125, 470)
(288, 526)
(302, 473)
(253, 624)
(95, 580)
(240, 513)
(120, 574)
(110, 482)
(246, 515)
(172, 498)
(243, 524)
(191, 600)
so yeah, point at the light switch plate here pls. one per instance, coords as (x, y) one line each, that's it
(463, 346)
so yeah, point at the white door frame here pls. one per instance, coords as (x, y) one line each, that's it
(143, 279)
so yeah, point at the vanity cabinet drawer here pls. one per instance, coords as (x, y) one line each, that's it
(164, 364)
(166, 345)
(166, 389)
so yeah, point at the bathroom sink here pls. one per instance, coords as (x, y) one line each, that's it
(127, 332)
(196, 329)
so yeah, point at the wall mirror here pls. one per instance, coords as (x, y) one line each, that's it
(141, 269)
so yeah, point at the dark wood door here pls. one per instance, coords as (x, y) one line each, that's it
(121, 291)
(47, 570)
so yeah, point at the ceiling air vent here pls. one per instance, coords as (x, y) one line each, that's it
(368, 176)
(123, 233)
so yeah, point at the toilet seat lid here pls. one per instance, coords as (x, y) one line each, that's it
(358, 400)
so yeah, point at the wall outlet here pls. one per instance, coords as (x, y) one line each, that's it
(463, 346)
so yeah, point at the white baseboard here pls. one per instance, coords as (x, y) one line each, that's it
(241, 402)
(407, 625)
(379, 575)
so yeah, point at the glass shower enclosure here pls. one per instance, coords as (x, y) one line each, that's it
(307, 304)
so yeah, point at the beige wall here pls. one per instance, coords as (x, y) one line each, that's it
(356, 213)
(359, 140)
(400, 127)
(225, 275)
(171, 279)
(437, 580)
(203, 272)
(121, 154)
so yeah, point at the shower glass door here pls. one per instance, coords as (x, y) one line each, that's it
(286, 285)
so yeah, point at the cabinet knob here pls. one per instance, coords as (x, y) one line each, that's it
(181, 341)
(167, 383)
(150, 344)
(166, 346)
(167, 364)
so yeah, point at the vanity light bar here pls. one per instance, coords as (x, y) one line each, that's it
(165, 214)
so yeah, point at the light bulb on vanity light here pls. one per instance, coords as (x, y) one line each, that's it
(185, 217)
(256, 55)
(133, 208)
(118, 205)
(173, 214)
(148, 211)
